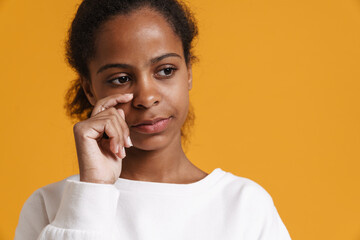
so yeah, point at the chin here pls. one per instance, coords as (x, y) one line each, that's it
(154, 142)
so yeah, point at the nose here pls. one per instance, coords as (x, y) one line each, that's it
(146, 93)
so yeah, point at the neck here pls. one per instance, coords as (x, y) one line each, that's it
(168, 164)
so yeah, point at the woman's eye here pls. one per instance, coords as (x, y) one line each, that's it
(166, 72)
(120, 80)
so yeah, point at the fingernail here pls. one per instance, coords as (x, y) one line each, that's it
(117, 148)
(129, 141)
(123, 154)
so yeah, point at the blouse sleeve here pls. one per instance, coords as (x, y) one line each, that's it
(86, 211)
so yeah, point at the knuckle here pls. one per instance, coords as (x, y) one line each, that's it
(119, 119)
(112, 110)
(77, 127)
(108, 121)
(98, 104)
(79, 130)
(113, 118)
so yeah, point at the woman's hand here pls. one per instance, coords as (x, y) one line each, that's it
(101, 141)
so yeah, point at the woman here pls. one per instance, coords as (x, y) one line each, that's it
(133, 58)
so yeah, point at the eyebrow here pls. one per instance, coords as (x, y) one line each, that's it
(158, 59)
(113, 65)
(127, 66)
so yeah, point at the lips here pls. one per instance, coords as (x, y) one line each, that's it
(156, 125)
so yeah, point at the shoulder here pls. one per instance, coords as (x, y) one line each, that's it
(244, 188)
(252, 207)
(246, 197)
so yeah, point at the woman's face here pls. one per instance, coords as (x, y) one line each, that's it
(140, 54)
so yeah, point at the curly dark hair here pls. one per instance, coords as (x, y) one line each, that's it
(80, 45)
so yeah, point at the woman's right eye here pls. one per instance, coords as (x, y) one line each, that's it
(120, 80)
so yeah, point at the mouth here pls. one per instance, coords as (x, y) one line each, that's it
(156, 125)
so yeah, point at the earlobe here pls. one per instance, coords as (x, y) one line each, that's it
(87, 88)
(189, 76)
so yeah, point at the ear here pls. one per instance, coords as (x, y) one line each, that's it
(189, 69)
(88, 90)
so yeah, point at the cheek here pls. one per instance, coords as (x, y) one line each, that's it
(178, 99)
(99, 90)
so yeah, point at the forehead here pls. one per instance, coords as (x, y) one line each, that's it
(141, 34)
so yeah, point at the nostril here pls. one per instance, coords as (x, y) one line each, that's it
(140, 106)
(147, 106)
(146, 99)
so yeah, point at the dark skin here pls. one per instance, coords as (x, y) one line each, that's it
(139, 88)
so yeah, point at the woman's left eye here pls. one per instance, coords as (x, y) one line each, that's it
(166, 72)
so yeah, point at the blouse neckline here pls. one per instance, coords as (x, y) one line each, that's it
(170, 188)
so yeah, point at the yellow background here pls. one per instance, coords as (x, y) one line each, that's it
(276, 95)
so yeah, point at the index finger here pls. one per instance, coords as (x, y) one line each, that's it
(111, 101)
